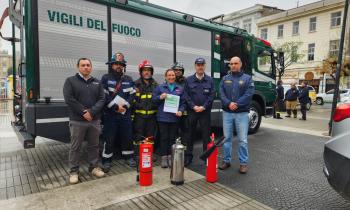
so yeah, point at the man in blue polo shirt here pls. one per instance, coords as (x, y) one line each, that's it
(236, 91)
(199, 97)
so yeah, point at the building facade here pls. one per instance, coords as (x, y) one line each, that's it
(313, 31)
(247, 18)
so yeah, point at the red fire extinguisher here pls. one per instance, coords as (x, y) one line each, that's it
(146, 162)
(212, 162)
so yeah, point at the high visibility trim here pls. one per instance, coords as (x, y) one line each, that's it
(127, 152)
(145, 112)
(144, 96)
(104, 152)
(137, 94)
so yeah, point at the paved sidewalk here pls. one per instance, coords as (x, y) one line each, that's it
(37, 179)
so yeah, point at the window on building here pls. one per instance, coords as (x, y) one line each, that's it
(334, 48)
(280, 31)
(263, 33)
(247, 25)
(312, 26)
(294, 54)
(335, 19)
(311, 52)
(296, 28)
(235, 24)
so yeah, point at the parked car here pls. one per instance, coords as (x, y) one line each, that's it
(327, 97)
(312, 94)
(337, 151)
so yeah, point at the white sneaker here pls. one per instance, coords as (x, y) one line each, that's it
(73, 178)
(97, 172)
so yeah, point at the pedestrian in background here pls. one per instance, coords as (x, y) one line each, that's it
(85, 98)
(279, 100)
(303, 99)
(292, 100)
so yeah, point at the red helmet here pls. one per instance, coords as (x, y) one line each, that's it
(145, 64)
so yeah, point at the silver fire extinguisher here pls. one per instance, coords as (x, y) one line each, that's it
(177, 163)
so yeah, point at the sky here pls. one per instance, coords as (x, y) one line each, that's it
(201, 8)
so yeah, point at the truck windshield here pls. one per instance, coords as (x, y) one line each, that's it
(265, 64)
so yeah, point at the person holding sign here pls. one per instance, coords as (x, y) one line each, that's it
(120, 91)
(169, 98)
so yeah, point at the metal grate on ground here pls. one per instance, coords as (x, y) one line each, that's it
(192, 195)
(42, 168)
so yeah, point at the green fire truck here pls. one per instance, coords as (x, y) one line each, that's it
(54, 34)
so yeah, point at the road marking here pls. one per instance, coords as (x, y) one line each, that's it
(295, 130)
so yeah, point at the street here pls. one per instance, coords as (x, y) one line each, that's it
(285, 169)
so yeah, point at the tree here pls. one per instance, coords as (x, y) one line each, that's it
(291, 53)
(9, 71)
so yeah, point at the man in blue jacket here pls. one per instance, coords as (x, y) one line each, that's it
(236, 91)
(303, 99)
(199, 96)
(117, 128)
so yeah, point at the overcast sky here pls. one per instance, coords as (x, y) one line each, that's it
(202, 8)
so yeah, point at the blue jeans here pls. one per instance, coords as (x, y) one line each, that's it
(239, 121)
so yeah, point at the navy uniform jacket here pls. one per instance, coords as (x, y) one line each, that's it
(237, 88)
(304, 95)
(292, 94)
(126, 91)
(166, 116)
(199, 92)
(280, 92)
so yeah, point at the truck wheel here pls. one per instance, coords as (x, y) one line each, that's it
(319, 101)
(254, 117)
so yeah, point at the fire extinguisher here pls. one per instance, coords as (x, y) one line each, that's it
(145, 162)
(212, 162)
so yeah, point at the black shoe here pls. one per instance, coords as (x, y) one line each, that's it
(288, 116)
(302, 119)
(106, 167)
(224, 166)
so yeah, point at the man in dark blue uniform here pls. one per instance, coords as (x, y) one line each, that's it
(199, 97)
(303, 99)
(236, 91)
(279, 100)
(117, 130)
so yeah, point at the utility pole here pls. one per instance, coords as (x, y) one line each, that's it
(339, 65)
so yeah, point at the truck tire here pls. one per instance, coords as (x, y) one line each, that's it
(255, 115)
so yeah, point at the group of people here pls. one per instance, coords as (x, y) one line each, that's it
(134, 110)
(291, 99)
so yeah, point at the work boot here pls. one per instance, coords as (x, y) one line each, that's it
(243, 169)
(164, 162)
(295, 113)
(73, 178)
(279, 116)
(288, 113)
(97, 172)
(169, 161)
(224, 165)
(106, 167)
